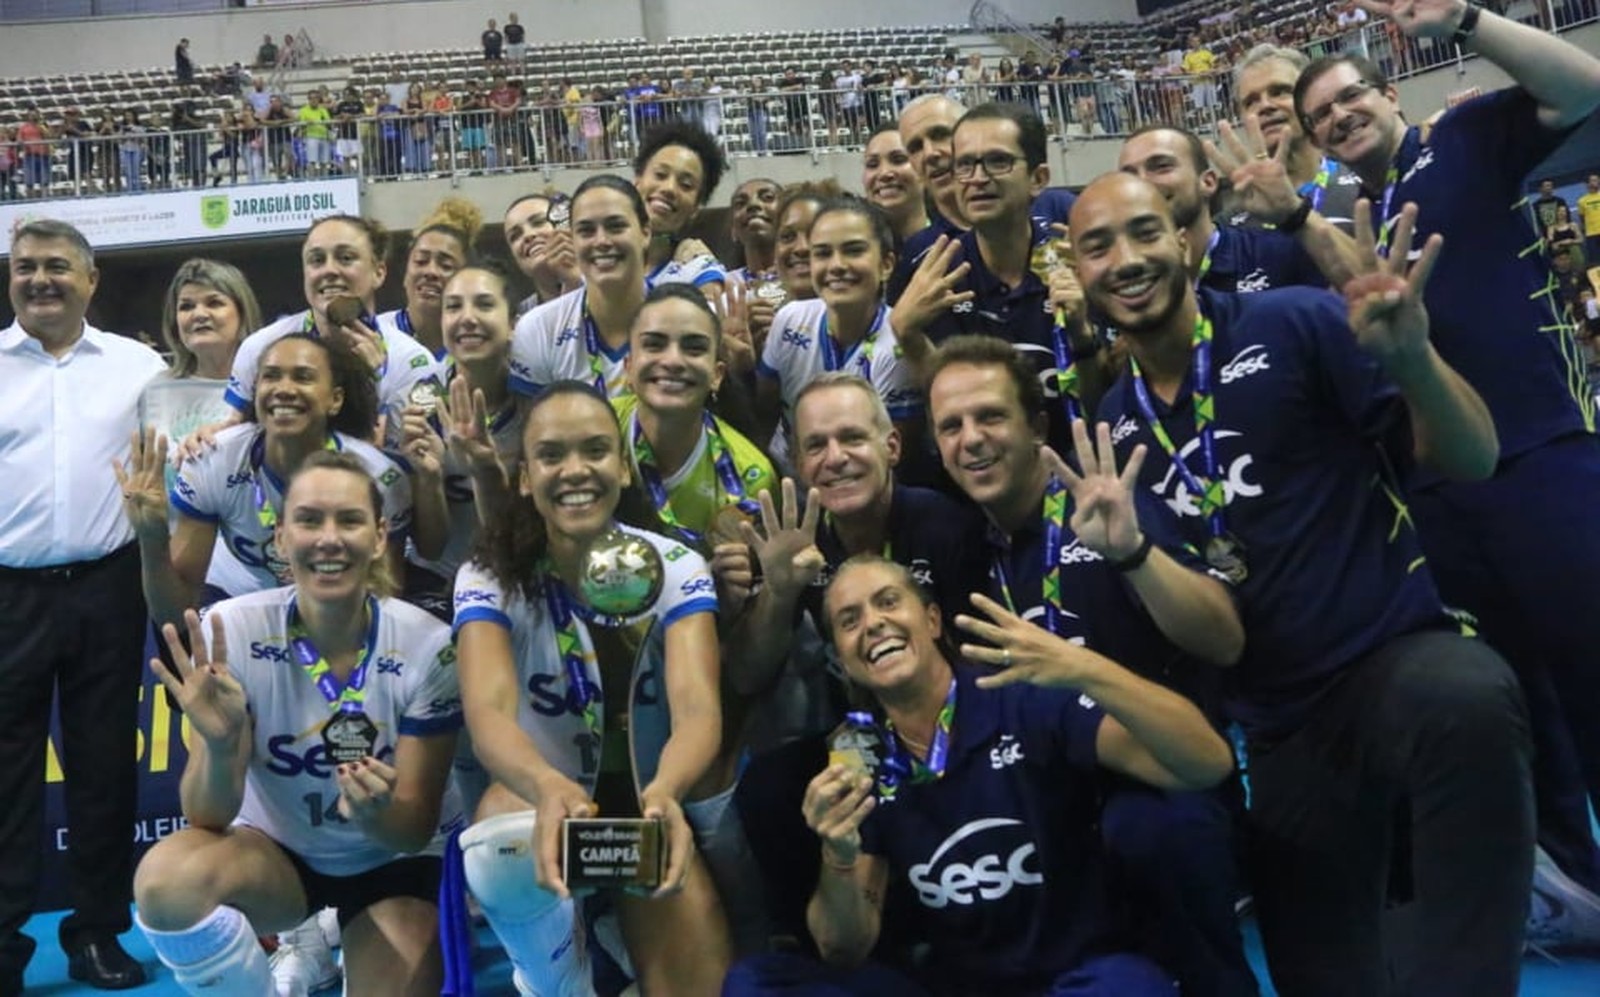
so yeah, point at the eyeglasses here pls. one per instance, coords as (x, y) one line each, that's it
(995, 164)
(1344, 99)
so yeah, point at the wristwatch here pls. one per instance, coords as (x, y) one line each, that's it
(1468, 25)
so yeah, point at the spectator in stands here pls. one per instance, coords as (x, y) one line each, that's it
(289, 55)
(227, 132)
(258, 98)
(505, 101)
(267, 54)
(687, 90)
(315, 133)
(190, 132)
(252, 146)
(492, 39)
(711, 108)
(347, 147)
(74, 619)
(105, 136)
(418, 147)
(950, 77)
(474, 120)
(391, 137)
(757, 111)
(183, 65)
(10, 153)
(1589, 212)
(1199, 62)
(1005, 81)
(1568, 275)
(279, 152)
(1563, 235)
(875, 86)
(516, 40)
(36, 138)
(1544, 206)
(132, 146)
(796, 106)
(75, 134)
(1030, 76)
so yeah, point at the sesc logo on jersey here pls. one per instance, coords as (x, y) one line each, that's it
(983, 861)
(1235, 484)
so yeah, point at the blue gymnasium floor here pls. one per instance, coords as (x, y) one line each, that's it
(47, 974)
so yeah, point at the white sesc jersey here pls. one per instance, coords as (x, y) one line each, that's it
(546, 711)
(290, 791)
(551, 343)
(407, 363)
(220, 487)
(697, 271)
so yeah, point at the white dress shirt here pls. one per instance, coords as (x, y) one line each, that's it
(62, 422)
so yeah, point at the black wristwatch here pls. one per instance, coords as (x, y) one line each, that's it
(1297, 219)
(1468, 25)
(1134, 561)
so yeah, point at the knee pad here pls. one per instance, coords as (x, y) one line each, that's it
(219, 957)
(497, 856)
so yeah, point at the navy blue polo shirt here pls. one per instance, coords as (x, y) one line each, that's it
(1053, 204)
(939, 539)
(1099, 608)
(1003, 853)
(1245, 260)
(1302, 418)
(1490, 315)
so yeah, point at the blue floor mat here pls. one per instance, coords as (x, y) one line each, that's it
(47, 974)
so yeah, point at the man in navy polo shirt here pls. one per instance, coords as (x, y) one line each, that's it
(1098, 563)
(927, 129)
(1266, 417)
(1223, 258)
(996, 289)
(985, 804)
(845, 449)
(1496, 320)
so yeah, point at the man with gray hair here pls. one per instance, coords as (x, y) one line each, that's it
(1263, 85)
(72, 612)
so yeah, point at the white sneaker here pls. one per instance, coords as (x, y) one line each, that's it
(303, 963)
(1564, 916)
(328, 921)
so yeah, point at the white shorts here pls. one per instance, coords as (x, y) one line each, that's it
(316, 150)
(348, 148)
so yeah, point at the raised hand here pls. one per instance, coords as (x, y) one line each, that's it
(559, 798)
(835, 804)
(201, 440)
(1103, 513)
(1419, 18)
(932, 289)
(465, 414)
(689, 249)
(1385, 303)
(420, 443)
(200, 683)
(1260, 179)
(1022, 651)
(733, 568)
(366, 788)
(143, 480)
(367, 343)
(733, 311)
(788, 555)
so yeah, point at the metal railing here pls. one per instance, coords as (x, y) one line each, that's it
(548, 135)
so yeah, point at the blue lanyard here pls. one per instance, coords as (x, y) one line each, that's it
(351, 695)
(1056, 505)
(1205, 260)
(831, 360)
(721, 460)
(1210, 494)
(900, 766)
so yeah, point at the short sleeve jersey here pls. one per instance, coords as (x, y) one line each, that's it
(226, 485)
(554, 342)
(1589, 211)
(1053, 205)
(548, 711)
(1245, 260)
(407, 363)
(696, 271)
(795, 354)
(1003, 853)
(1302, 417)
(695, 491)
(1491, 303)
(290, 791)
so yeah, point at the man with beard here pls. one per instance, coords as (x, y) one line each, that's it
(1495, 320)
(1272, 422)
(1223, 258)
(537, 235)
(1263, 83)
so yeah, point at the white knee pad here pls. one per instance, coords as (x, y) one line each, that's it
(219, 957)
(539, 930)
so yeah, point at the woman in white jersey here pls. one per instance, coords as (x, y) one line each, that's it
(483, 428)
(846, 327)
(576, 713)
(324, 718)
(583, 335)
(676, 169)
(310, 395)
(439, 247)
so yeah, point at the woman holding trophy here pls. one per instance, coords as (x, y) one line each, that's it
(589, 669)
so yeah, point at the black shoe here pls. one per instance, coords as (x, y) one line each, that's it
(102, 963)
(10, 983)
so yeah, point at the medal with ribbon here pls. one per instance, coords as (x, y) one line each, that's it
(831, 360)
(1223, 551)
(1057, 507)
(266, 511)
(582, 694)
(1048, 256)
(901, 767)
(349, 735)
(732, 485)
